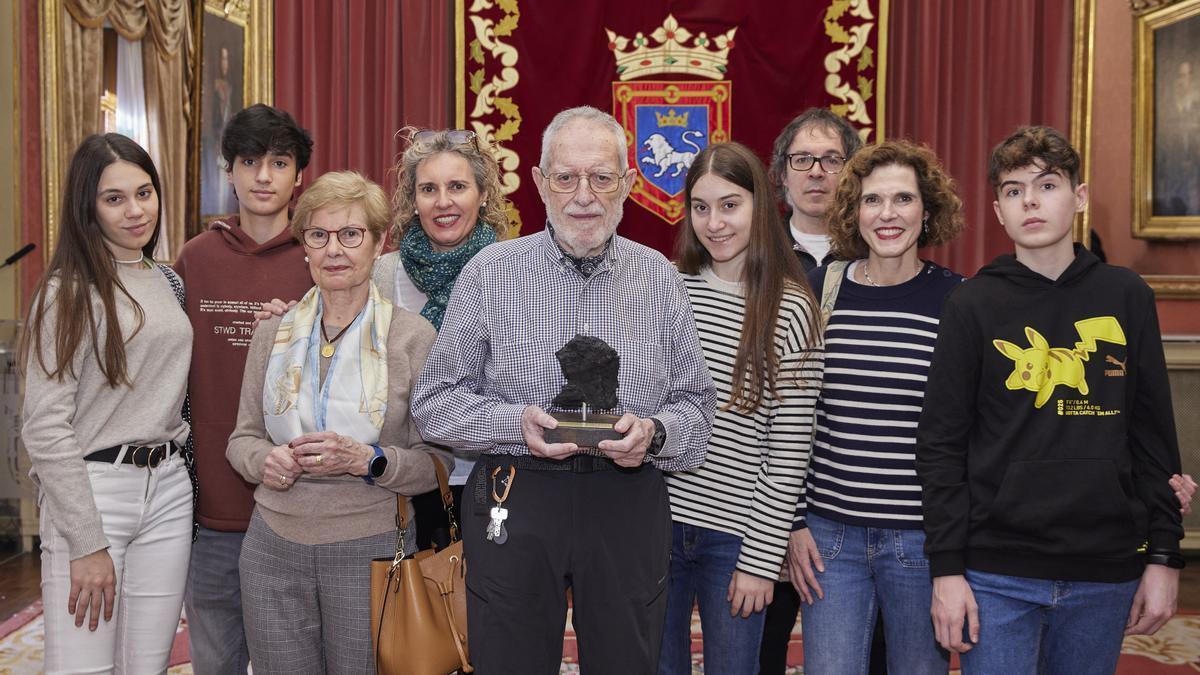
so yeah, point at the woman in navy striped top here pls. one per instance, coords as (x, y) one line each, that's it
(861, 530)
(756, 320)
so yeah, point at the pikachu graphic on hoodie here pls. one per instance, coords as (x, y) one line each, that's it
(1041, 367)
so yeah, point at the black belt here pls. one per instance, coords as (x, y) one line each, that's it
(141, 456)
(574, 463)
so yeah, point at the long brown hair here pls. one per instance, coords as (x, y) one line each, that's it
(770, 269)
(82, 263)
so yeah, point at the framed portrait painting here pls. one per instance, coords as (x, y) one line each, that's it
(1166, 148)
(234, 70)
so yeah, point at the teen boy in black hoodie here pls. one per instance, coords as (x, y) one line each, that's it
(1047, 440)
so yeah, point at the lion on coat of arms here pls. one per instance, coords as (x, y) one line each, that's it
(665, 156)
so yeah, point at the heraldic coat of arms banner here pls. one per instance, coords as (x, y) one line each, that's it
(668, 122)
(675, 75)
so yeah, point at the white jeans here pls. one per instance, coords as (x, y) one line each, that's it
(147, 516)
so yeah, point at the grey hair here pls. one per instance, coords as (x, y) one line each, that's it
(588, 114)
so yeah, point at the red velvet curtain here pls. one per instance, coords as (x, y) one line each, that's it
(33, 227)
(963, 75)
(353, 72)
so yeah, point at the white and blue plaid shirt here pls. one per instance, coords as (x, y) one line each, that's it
(517, 302)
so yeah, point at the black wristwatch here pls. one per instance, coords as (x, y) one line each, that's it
(1172, 559)
(658, 440)
(377, 466)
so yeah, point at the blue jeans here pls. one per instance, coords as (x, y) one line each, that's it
(870, 569)
(213, 598)
(702, 565)
(1042, 626)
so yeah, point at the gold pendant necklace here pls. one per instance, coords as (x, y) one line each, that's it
(328, 348)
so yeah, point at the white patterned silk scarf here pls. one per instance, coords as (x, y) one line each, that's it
(353, 399)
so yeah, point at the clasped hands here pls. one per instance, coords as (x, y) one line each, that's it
(628, 452)
(320, 453)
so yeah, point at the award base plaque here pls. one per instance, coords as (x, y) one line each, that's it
(586, 432)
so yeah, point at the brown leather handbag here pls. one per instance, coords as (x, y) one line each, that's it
(419, 603)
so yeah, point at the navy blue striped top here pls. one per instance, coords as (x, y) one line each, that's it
(878, 345)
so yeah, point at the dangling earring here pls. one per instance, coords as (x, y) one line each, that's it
(925, 223)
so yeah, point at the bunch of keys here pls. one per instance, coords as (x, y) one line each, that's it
(496, 532)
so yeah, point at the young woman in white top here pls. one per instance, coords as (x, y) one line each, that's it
(106, 352)
(757, 324)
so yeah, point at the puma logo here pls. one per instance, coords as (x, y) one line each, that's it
(1120, 372)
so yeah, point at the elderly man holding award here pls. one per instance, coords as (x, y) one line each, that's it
(532, 333)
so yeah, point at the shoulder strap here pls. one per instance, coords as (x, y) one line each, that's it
(447, 497)
(447, 502)
(834, 275)
(176, 284)
(189, 449)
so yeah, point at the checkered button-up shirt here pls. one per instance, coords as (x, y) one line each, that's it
(517, 302)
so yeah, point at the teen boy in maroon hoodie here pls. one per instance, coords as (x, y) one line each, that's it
(228, 272)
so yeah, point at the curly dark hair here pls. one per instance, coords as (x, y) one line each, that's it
(937, 195)
(1044, 146)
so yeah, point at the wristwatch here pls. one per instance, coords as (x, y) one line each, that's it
(376, 466)
(658, 440)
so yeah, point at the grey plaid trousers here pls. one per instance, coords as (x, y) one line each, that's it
(307, 607)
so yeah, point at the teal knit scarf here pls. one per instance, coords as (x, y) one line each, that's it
(434, 272)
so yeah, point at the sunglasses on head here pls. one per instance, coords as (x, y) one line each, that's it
(454, 136)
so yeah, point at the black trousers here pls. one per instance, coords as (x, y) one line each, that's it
(777, 632)
(605, 534)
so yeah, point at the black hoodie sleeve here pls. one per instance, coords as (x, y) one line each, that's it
(1152, 438)
(942, 436)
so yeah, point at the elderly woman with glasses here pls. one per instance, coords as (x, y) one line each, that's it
(323, 429)
(448, 204)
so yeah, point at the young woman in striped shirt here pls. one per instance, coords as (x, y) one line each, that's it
(861, 530)
(757, 324)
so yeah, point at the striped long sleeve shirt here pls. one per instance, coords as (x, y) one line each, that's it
(878, 345)
(753, 475)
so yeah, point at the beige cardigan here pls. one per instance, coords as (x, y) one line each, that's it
(320, 510)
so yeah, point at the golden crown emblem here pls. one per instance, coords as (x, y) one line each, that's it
(672, 119)
(671, 54)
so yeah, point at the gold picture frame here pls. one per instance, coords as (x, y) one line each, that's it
(233, 68)
(1166, 144)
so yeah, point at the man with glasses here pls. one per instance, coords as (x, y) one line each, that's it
(594, 520)
(805, 162)
(241, 261)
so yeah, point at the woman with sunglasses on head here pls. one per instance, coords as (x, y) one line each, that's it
(323, 429)
(448, 204)
(105, 354)
(757, 324)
